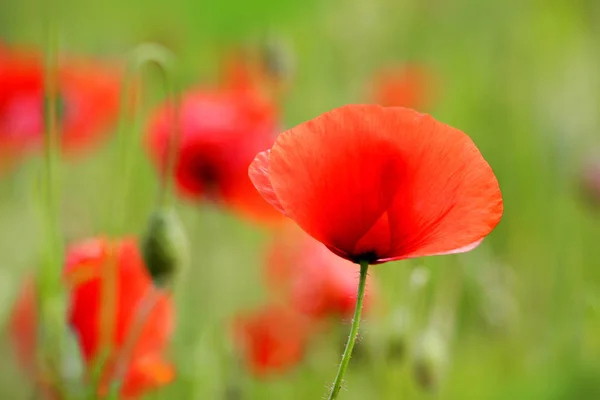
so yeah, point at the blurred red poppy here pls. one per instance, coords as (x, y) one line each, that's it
(144, 368)
(222, 129)
(271, 340)
(406, 86)
(378, 184)
(88, 102)
(314, 281)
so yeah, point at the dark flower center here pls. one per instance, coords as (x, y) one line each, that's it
(369, 256)
(206, 172)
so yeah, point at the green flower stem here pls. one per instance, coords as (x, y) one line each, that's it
(50, 271)
(337, 384)
(143, 311)
(164, 61)
(448, 290)
(50, 302)
(142, 55)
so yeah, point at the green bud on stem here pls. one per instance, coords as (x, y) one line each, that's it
(164, 246)
(430, 360)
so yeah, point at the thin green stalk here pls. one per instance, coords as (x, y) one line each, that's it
(143, 310)
(163, 60)
(48, 273)
(160, 57)
(447, 298)
(49, 284)
(337, 384)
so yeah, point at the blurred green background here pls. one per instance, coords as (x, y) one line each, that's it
(522, 78)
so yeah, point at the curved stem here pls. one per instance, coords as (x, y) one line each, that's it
(144, 308)
(142, 55)
(337, 384)
(160, 57)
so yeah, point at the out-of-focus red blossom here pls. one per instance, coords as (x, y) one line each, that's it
(272, 339)
(88, 103)
(590, 182)
(146, 369)
(409, 86)
(84, 263)
(378, 184)
(313, 280)
(221, 129)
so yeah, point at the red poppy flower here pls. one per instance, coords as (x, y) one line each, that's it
(378, 184)
(88, 102)
(146, 369)
(221, 132)
(271, 340)
(314, 281)
(408, 86)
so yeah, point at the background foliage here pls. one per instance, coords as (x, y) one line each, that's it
(521, 77)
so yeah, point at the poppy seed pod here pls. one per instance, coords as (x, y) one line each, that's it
(430, 360)
(232, 392)
(277, 60)
(164, 246)
(397, 344)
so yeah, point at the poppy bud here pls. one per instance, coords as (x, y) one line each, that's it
(277, 60)
(397, 345)
(498, 307)
(430, 360)
(590, 182)
(232, 392)
(164, 246)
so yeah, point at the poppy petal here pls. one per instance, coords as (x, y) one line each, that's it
(259, 175)
(337, 174)
(378, 237)
(155, 370)
(147, 373)
(450, 199)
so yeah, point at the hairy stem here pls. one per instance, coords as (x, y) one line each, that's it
(337, 384)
